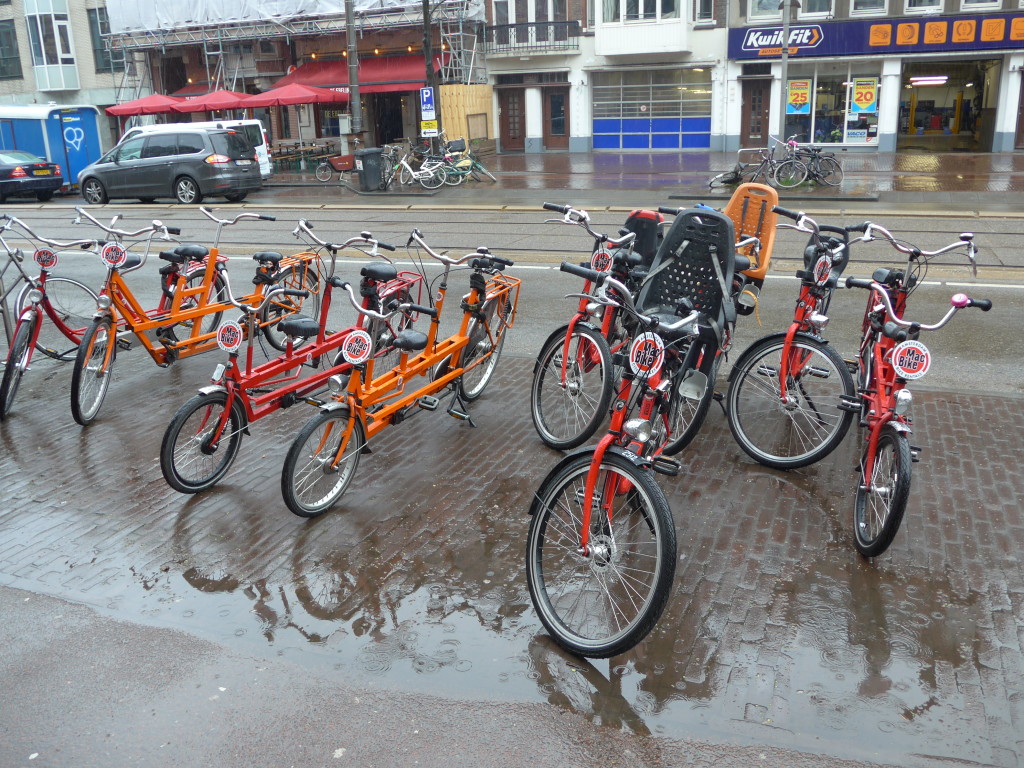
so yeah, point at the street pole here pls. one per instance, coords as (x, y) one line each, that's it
(428, 58)
(784, 71)
(352, 46)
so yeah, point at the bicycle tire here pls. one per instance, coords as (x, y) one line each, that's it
(626, 577)
(323, 172)
(405, 177)
(830, 171)
(302, 276)
(879, 510)
(453, 176)
(567, 415)
(18, 357)
(480, 355)
(687, 415)
(308, 460)
(188, 460)
(435, 180)
(809, 425)
(70, 306)
(91, 376)
(788, 174)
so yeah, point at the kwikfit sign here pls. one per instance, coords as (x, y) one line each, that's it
(768, 41)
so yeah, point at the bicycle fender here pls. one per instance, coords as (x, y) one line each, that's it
(900, 426)
(779, 335)
(335, 405)
(210, 389)
(560, 332)
(588, 451)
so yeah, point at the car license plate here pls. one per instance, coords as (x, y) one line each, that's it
(41, 172)
(243, 162)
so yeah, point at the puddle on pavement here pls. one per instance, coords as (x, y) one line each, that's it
(776, 632)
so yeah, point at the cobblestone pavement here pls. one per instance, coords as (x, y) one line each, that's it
(778, 633)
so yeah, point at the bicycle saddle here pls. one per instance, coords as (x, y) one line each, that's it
(410, 340)
(379, 271)
(299, 326)
(268, 257)
(183, 253)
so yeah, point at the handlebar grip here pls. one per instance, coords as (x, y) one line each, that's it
(858, 227)
(173, 230)
(983, 304)
(296, 292)
(858, 282)
(386, 246)
(585, 272)
(794, 215)
(501, 260)
(267, 217)
(894, 332)
(668, 210)
(429, 311)
(337, 282)
(556, 207)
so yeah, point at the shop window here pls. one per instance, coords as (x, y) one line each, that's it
(923, 6)
(833, 109)
(815, 8)
(867, 7)
(764, 9)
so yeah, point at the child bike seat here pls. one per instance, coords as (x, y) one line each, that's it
(299, 326)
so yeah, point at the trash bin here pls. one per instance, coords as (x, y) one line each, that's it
(368, 165)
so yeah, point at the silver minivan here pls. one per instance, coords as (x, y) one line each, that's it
(187, 164)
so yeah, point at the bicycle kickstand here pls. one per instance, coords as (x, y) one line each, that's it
(458, 409)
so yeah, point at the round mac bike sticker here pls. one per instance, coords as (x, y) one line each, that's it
(822, 269)
(646, 354)
(229, 336)
(911, 359)
(45, 258)
(601, 261)
(113, 255)
(357, 347)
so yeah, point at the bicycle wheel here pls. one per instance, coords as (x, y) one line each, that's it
(830, 171)
(478, 168)
(727, 179)
(190, 459)
(788, 174)
(17, 363)
(686, 413)
(405, 176)
(435, 179)
(566, 413)
(480, 356)
(304, 277)
(453, 177)
(70, 306)
(91, 376)
(311, 480)
(323, 172)
(806, 426)
(604, 602)
(882, 500)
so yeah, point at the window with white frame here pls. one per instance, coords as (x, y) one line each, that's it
(867, 7)
(815, 8)
(704, 11)
(975, 5)
(923, 6)
(640, 10)
(50, 38)
(764, 9)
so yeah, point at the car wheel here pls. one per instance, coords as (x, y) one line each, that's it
(236, 197)
(186, 191)
(44, 197)
(93, 192)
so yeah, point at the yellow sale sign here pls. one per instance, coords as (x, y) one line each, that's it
(798, 97)
(864, 99)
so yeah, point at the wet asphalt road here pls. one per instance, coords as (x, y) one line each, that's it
(146, 628)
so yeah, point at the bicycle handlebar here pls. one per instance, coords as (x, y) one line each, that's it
(581, 218)
(958, 301)
(155, 227)
(402, 307)
(417, 237)
(13, 220)
(239, 217)
(304, 228)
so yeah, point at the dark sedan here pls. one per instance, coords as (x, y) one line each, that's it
(22, 173)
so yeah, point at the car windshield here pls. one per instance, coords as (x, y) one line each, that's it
(19, 157)
(232, 144)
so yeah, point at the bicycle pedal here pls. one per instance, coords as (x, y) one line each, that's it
(666, 466)
(915, 454)
(849, 403)
(851, 366)
(718, 397)
(428, 403)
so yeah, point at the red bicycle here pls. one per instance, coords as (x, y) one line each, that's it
(204, 436)
(890, 356)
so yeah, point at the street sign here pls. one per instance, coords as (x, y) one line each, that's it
(427, 104)
(428, 128)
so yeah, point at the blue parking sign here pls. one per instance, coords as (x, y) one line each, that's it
(427, 103)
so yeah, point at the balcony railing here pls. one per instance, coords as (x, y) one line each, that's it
(537, 37)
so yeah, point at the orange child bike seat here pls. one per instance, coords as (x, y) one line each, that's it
(750, 209)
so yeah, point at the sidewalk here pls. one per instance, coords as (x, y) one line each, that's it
(953, 182)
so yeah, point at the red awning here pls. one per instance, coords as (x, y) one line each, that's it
(383, 74)
(193, 90)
